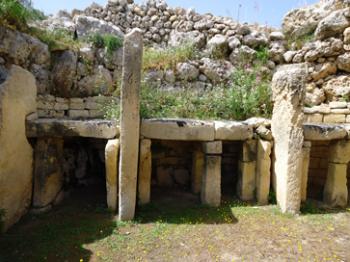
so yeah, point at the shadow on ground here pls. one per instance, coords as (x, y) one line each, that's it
(60, 235)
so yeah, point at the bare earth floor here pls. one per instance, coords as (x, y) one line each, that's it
(176, 228)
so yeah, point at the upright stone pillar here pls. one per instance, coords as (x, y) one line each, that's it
(305, 172)
(198, 167)
(111, 160)
(211, 180)
(246, 171)
(145, 172)
(263, 174)
(288, 88)
(335, 191)
(130, 124)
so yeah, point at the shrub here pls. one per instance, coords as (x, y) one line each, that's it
(262, 55)
(298, 42)
(110, 42)
(57, 39)
(13, 13)
(111, 110)
(162, 59)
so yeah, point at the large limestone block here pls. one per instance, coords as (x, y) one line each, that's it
(212, 148)
(198, 167)
(48, 175)
(232, 131)
(145, 172)
(305, 174)
(178, 129)
(249, 151)
(335, 191)
(104, 129)
(17, 100)
(263, 174)
(246, 180)
(211, 182)
(323, 132)
(130, 124)
(111, 162)
(339, 152)
(288, 87)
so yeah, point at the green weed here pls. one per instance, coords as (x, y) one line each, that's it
(163, 59)
(110, 42)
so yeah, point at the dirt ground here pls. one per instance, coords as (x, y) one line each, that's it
(175, 227)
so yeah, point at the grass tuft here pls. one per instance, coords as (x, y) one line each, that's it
(110, 42)
(163, 59)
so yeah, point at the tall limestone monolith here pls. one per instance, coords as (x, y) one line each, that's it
(111, 161)
(288, 88)
(130, 124)
(17, 100)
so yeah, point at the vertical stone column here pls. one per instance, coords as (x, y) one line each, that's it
(246, 171)
(335, 191)
(130, 123)
(198, 167)
(263, 174)
(145, 172)
(288, 87)
(111, 160)
(305, 171)
(211, 180)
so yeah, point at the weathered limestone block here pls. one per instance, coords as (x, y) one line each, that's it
(334, 118)
(72, 128)
(145, 172)
(111, 161)
(249, 151)
(231, 130)
(263, 167)
(130, 124)
(17, 100)
(211, 181)
(288, 87)
(339, 152)
(335, 191)
(323, 132)
(178, 129)
(212, 148)
(246, 180)
(198, 167)
(305, 173)
(48, 175)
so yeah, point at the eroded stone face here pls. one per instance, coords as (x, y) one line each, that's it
(16, 154)
(288, 87)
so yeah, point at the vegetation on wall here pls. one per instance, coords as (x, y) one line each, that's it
(108, 41)
(163, 59)
(14, 14)
(297, 43)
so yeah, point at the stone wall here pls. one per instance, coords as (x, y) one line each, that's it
(49, 106)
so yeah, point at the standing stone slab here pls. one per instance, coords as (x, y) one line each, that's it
(48, 174)
(111, 161)
(305, 172)
(211, 182)
(198, 167)
(263, 168)
(335, 191)
(145, 172)
(17, 100)
(246, 180)
(130, 124)
(288, 87)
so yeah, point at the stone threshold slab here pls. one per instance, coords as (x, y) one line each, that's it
(96, 128)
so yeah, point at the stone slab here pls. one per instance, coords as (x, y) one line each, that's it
(178, 129)
(233, 131)
(72, 128)
(323, 132)
(111, 162)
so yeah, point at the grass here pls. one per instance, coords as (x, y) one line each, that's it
(14, 14)
(248, 95)
(173, 228)
(110, 42)
(163, 59)
(297, 43)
